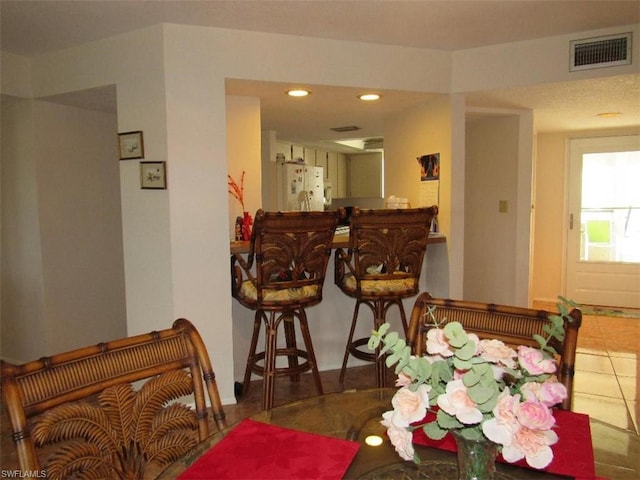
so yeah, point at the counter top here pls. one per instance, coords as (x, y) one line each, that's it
(339, 241)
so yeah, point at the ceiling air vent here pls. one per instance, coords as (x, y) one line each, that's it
(348, 128)
(598, 52)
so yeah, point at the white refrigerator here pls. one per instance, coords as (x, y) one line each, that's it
(300, 187)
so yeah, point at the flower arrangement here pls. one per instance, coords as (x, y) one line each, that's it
(235, 190)
(243, 224)
(483, 390)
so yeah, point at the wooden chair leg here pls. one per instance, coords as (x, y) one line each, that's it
(350, 339)
(251, 358)
(270, 345)
(379, 316)
(290, 336)
(306, 335)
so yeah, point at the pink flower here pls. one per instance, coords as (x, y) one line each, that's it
(533, 445)
(437, 343)
(534, 361)
(408, 406)
(400, 437)
(501, 427)
(456, 402)
(403, 380)
(495, 351)
(550, 392)
(535, 416)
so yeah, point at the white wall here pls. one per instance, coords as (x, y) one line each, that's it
(62, 230)
(22, 280)
(490, 243)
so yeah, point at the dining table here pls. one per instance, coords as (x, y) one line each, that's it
(347, 425)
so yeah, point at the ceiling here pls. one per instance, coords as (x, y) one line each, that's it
(31, 28)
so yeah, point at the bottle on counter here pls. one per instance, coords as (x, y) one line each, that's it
(238, 229)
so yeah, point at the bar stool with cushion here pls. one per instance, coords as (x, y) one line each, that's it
(381, 267)
(282, 275)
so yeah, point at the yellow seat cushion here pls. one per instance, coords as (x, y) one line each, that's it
(398, 286)
(248, 290)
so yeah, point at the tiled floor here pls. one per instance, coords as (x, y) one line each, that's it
(606, 381)
(607, 369)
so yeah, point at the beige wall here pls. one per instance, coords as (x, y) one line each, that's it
(490, 236)
(551, 210)
(63, 272)
(243, 154)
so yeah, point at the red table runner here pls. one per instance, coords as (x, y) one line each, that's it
(572, 454)
(259, 450)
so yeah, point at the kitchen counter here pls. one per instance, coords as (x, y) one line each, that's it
(339, 241)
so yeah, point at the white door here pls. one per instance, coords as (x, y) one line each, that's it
(603, 239)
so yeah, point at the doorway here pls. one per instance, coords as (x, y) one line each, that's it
(603, 235)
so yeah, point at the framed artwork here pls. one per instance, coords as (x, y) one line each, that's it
(153, 175)
(131, 145)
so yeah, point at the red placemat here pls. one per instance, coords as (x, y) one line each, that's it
(572, 454)
(255, 450)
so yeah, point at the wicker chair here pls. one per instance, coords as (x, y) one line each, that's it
(512, 325)
(381, 267)
(77, 414)
(283, 274)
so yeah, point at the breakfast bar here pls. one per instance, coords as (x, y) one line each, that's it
(329, 321)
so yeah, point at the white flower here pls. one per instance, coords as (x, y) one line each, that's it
(409, 406)
(437, 343)
(532, 445)
(400, 437)
(456, 402)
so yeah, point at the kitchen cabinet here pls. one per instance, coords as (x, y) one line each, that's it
(309, 155)
(283, 148)
(337, 175)
(321, 161)
(297, 151)
(365, 175)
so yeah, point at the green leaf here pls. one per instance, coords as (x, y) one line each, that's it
(489, 405)
(433, 431)
(541, 341)
(467, 351)
(474, 434)
(462, 364)
(470, 378)
(447, 421)
(480, 394)
(383, 329)
(455, 334)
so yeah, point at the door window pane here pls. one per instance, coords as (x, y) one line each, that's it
(610, 210)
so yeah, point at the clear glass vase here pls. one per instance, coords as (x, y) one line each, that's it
(476, 458)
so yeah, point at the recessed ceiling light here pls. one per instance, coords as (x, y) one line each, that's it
(608, 114)
(298, 92)
(367, 97)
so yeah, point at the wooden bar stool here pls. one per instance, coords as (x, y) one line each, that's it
(282, 275)
(381, 267)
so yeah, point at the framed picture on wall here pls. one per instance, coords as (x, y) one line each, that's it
(153, 175)
(131, 145)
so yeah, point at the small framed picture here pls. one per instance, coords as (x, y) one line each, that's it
(131, 145)
(153, 175)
